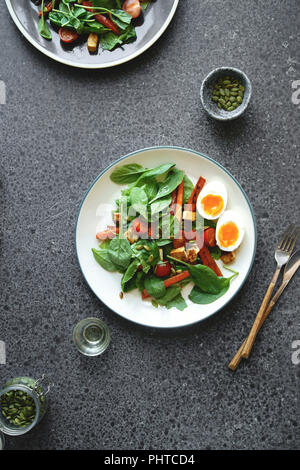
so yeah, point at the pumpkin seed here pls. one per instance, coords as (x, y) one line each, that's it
(18, 408)
(228, 93)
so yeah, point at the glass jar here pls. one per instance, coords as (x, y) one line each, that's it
(35, 390)
(2, 441)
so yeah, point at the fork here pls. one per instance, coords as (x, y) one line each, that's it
(282, 255)
(290, 269)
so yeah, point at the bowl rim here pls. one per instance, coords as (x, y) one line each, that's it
(162, 147)
(243, 106)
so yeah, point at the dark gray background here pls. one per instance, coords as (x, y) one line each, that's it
(59, 128)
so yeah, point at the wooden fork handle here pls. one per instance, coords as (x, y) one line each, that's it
(238, 356)
(256, 325)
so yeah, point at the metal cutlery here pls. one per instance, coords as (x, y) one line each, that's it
(289, 270)
(282, 255)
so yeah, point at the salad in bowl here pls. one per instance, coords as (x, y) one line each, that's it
(105, 23)
(167, 232)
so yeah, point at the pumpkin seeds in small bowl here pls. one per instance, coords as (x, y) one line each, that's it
(225, 93)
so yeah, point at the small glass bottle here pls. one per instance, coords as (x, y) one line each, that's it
(33, 389)
(91, 336)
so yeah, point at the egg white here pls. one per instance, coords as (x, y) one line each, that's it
(217, 189)
(230, 216)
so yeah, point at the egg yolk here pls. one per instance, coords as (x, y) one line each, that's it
(228, 234)
(212, 204)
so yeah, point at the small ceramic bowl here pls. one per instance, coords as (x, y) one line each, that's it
(207, 88)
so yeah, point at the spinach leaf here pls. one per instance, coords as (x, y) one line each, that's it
(81, 12)
(187, 189)
(57, 18)
(209, 223)
(215, 252)
(177, 302)
(150, 188)
(127, 173)
(110, 40)
(120, 252)
(205, 278)
(160, 204)
(121, 18)
(129, 274)
(170, 294)
(105, 244)
(158, 172)
(43, 27)
(199, 297)
(130, 285)
(102, 257)
(145, 4)
(155, 286)
(93, 27)
(173, 179)
(140, 278)
(139, 200)
(109, 4)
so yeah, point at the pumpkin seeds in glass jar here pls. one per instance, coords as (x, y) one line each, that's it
(18, 408)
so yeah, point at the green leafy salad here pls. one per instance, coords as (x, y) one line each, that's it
(160, 243)
(110, 22)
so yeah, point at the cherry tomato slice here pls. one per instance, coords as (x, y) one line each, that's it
(210, 237)
(163, 269)
(132, 7)
(67, 35)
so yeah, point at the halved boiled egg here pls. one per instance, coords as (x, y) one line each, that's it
(229, 231)
(212, 200)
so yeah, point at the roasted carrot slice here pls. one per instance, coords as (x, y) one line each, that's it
(192, 196)
(174, 279)
(179, 201)
(200, 184)
(207, 259)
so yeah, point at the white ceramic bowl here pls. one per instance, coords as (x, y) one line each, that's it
(107, 287)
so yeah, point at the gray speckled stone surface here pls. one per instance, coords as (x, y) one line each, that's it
(59, 128)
